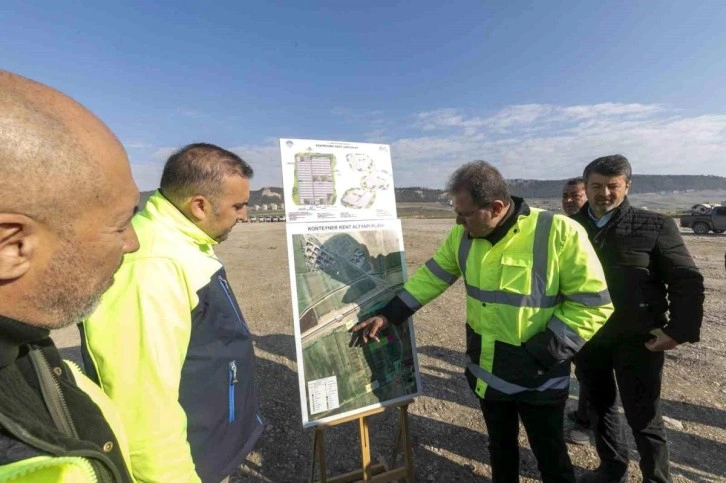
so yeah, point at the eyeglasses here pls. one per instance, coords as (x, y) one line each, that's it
(472, 212)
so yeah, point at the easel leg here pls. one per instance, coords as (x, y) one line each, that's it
(380, 472)
(318, 455)
(402, 441)
(365, 449)
(397, 440)
(406, 443)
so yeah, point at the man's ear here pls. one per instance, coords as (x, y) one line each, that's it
(18, 245)
(496, 206)
(200, 207)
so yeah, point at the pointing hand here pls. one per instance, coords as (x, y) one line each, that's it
(370, 328)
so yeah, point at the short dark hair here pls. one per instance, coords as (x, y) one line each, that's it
(575, 181)
(482, 181)
(199, 169)
(613, 165)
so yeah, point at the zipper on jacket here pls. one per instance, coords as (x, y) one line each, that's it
(228, 293)
(232, 383)
(52, 394)
(110, 473)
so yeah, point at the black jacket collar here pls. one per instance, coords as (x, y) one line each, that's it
(13, 335)
(518, 208)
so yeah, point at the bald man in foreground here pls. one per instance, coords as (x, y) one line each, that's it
(65, 210)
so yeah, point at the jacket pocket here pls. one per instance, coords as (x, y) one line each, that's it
(516, 273)
(230, 388)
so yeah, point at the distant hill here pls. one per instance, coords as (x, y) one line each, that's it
(526, 188)
(266, 195)
(257, 197)
(420, 195)
(642, 183)
(533, 188)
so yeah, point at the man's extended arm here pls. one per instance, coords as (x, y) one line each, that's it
(428, 282)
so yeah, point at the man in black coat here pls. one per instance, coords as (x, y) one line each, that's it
(658, 296)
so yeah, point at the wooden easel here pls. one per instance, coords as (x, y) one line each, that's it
(379, 472)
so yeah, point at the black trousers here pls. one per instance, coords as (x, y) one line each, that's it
(639, 372)
(583, 399)
(543, 424)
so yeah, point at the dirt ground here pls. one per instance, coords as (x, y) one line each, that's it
(449, 439)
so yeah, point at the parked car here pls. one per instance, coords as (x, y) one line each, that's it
(701, 223)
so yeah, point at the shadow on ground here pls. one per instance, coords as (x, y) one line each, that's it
(442, 451)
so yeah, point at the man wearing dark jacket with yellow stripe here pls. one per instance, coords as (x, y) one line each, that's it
(535, 293)
(658, 296)
(65, 210)
(169, 342)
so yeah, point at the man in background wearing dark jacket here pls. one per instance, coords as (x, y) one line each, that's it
(658, 296)
(573, 196)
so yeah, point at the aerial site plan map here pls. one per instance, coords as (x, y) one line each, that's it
(342, 273)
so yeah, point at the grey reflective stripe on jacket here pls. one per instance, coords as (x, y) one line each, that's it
(514, 299)
(509, 388)
(409, 300)
(440, 273)
(568, 336)
(590, 299)
(464, 248)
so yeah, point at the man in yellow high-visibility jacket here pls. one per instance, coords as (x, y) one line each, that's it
(169, 343)
(535, 294)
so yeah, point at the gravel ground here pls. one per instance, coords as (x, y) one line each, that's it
(448, 434)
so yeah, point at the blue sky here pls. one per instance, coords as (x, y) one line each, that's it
(538, 88)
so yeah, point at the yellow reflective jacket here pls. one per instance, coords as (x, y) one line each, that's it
(534, 297)
(170, 346)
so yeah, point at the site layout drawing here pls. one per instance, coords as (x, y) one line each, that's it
(336, 180)
(342, 273)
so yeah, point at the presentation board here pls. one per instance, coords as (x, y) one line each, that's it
(346, 258)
